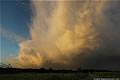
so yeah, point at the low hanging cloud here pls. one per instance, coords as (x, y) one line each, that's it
(66, 34)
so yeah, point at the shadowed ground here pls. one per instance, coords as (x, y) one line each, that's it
(45, 76)
(58, 76)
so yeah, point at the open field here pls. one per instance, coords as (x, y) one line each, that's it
(45, 76)
(57, 76)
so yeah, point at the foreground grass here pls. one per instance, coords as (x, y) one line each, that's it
(107, 74)
(57, 76)
(45, 76)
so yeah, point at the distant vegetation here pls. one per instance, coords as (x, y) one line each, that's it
(9, 73)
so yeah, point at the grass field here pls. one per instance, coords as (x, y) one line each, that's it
(56, 76)
(45, 76)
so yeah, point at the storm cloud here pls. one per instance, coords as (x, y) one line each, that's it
(72, 34)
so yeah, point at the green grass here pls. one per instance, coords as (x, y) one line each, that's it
(56, 76)
(107, 74)
(45, 76)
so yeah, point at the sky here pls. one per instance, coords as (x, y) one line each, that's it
(60, 34)
(13, 13)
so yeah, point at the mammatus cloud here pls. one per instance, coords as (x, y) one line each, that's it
(64, 34)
